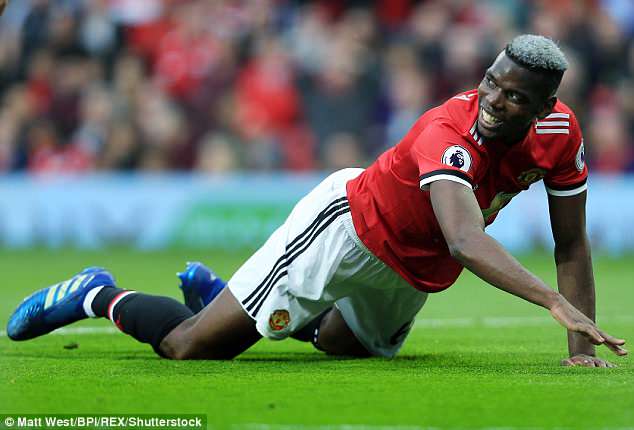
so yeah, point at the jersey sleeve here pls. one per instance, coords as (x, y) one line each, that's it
(443, 153)
(569, 176)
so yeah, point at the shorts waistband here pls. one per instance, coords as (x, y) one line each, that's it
(352, 233)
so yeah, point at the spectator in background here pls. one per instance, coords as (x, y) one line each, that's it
(184, 56)
(18, 110)
(612, 150)
(162, 129)
(267, 102)
(122, 148)
(49, 154)
(408, 91)
(98, 34)
(217, 154)
(8, 141)
(95, 120)
(342, 150)
(340, 96)
(40, 71)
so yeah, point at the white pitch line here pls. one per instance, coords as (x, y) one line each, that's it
(422, 323)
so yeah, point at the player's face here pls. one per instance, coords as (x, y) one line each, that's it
(511, 97)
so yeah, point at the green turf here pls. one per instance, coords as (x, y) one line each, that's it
(446, 377)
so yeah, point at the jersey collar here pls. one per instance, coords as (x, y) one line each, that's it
(473, 132)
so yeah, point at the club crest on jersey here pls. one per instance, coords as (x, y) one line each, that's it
(279, 320)
(580, 159)
(457, 156)
(531, 176)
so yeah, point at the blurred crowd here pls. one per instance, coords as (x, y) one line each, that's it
(223, 85)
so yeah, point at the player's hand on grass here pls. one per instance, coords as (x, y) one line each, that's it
(585, 360)
(571, 318)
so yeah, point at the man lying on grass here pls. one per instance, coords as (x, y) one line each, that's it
(354, 262)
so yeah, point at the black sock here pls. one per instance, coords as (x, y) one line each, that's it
(102, 300)
(310, 332)
(146, 318)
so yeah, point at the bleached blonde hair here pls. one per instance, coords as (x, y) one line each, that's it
(537, 53)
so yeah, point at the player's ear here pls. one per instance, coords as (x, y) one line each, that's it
(548, 107)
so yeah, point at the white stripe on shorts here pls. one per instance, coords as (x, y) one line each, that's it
(294, 249)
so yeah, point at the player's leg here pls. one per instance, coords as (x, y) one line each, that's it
(200, 285)
(290, 284)
(377, 309)
(282, 286)
(336, 338)
(263, 286)
(379, 317)
(371, 321)
(223, 330)
(328, 332)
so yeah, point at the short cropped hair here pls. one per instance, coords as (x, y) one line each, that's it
(537, 53)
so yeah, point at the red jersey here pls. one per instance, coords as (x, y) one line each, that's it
(390, 203)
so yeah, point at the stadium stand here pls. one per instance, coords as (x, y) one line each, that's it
(219, 86)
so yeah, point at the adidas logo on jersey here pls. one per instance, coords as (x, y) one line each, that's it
(555, 123)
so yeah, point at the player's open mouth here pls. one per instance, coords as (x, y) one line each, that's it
(487, 120)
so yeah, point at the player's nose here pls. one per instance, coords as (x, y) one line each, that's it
(495, 99)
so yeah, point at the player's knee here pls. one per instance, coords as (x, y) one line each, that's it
(176, 351)
(339, 344)
(180, 343)
(186, 343)
(336, 338)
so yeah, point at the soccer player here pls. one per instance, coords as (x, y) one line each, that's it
(354, 262)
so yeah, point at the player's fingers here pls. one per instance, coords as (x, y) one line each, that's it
(611, 339)
(617, 349)
(614, 343)
(593, 335)
(608, 337)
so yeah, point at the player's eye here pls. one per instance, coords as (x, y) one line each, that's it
(516, 97)
(489, 82)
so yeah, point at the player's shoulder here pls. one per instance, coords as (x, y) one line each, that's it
(560, 125)
(462, 110)
(457, 114)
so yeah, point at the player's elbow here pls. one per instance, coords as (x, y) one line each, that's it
(459, 253)
(461, 248)
(572, 249)
(454, 249)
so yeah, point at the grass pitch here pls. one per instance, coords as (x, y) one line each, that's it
(477, 358)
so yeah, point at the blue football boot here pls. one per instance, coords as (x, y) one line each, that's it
(200, 285)
(56, 306)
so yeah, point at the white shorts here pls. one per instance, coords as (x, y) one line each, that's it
(315, 260)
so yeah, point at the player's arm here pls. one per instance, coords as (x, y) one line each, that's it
(460, 219)
(574, 269)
